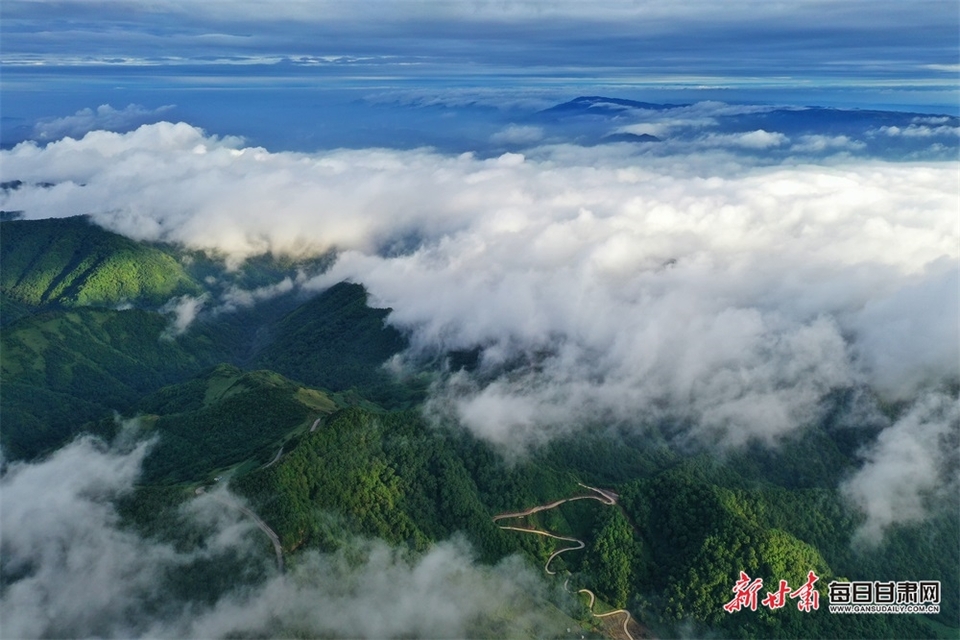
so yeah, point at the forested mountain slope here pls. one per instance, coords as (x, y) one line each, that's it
(225, 417)
(71, 262)
(63, 368)
(90, 327)
(335, 341)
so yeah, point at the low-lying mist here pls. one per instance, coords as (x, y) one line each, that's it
(72, 568)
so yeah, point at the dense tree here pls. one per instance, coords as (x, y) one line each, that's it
(70, 261)
(611, 557)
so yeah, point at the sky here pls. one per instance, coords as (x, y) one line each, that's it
(726, 262)
(292, 75)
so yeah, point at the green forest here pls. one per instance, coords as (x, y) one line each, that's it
(287, 402)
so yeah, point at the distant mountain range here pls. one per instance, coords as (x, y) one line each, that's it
(806, 130)
(457, 126)
(599, 105)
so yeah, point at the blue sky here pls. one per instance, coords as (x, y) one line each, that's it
(235, 67)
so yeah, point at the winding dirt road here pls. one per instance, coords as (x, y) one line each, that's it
(579, 544)
(606, 497)
(626, 618)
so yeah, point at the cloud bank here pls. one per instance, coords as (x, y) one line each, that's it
(71, 570)
(440, 595)
(183, 310)
(708, 287)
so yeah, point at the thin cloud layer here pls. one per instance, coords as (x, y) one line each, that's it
(442, 594)
(561, 34)
(758, 139)
(103, 117)
(71, 570)
(184, 311)
(911, 466)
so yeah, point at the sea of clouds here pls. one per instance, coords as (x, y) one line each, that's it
(710, 287)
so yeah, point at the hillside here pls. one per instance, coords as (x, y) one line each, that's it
(392, 477)
(63, 368)
(683, 530)
(71, 262)
(85, 331)
(335, 341)
(225, 417)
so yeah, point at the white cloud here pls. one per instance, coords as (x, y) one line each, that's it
(441, 594)
(920, 131)
(235, 298)
(759, 139)
(934, 120)
(817, 143)
(700, 115)
(911, 464)
(104, 117)
(948, 68)
(184, 310)
(80, 571)
(596, 281)
(517, 134)
(908, 338)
